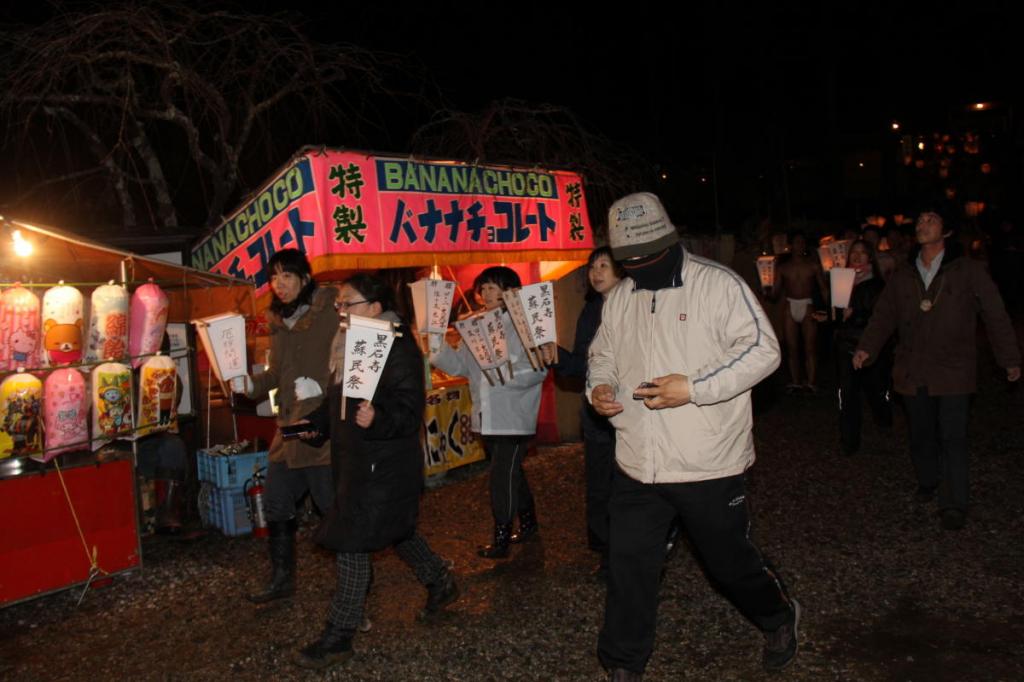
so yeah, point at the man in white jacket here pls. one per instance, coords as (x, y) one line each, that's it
(681, 344)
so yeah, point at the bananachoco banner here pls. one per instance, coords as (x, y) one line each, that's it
(346, 209)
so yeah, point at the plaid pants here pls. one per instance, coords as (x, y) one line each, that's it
(355, 571)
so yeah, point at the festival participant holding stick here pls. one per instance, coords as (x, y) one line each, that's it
(378, 463)
(505, 414)
(303, 323)
(872, 381)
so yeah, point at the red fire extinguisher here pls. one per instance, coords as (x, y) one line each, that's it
(254, 493)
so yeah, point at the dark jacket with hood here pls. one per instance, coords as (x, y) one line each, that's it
(862, 303)
(302, 351)
(574, 364)
(378, 470)
(938, 348)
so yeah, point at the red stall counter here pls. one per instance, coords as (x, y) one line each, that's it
(41, 550)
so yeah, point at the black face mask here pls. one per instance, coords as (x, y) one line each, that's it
(656, 271)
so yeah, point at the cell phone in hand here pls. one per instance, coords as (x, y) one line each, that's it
(293, 431)
(645, 384)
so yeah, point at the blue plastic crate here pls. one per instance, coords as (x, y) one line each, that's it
(229, 511)
(229, 471)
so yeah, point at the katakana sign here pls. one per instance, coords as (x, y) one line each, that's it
(351, 203)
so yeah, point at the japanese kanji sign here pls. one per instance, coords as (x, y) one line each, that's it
(432, 299)
(494, 335)
(367, 345)
(517, 312)
(473, 334)
(335, 203)
(538, 302)
(223, 338)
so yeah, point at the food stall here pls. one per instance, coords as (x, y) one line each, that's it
(69, 497)
(354, 211)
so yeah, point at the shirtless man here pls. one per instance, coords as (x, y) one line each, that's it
(798, 276)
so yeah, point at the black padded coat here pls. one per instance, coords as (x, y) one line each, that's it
(378, 470)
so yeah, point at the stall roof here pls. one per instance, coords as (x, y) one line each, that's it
(60, 255)
(83, 260)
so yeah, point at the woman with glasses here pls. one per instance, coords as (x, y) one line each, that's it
(378, 466)
(303, 323)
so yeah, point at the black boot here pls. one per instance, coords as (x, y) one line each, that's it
(440, 593)
(282, 563)
(333, 647)
(527, 527)
(168, 506)
(499, 548)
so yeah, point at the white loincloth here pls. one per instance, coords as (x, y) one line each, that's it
(798, 308)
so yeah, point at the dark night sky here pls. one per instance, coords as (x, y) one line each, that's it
(754, 83)
(651, 77)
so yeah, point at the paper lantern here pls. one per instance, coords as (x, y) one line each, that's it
(62, 325)
(223, 339)
(825, 256)
(148, 320)
(111, 393)
(65, 412)
(19, 328)
(158, 381)
(432, 301)
(108, 324)
(842, 280)
(21, 425)
(837, 251)
(766, 271)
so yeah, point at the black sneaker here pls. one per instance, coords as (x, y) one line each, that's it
(780, 647)
(439, 595)
(925, 493)
(333, 647)
(953, 519)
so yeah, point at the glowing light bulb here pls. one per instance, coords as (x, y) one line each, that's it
(22, 246)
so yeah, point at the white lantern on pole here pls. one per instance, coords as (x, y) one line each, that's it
(838, 250)
(766, 271)
(842, 280)
(223, 338)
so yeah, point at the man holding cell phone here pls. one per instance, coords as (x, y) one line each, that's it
(687, 340)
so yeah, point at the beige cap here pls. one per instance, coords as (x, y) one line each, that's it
(639, 226)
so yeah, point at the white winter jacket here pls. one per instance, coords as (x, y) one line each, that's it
(508, 409)
(709, 327)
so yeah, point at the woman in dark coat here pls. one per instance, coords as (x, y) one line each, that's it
(378, 463)
(871, 381)
(603, 273)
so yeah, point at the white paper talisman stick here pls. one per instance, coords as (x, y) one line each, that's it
(223, 338)
(368, 342)
(518, 315)
(539, 302)
(472, 333)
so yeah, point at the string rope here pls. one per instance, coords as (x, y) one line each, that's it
(95, 570)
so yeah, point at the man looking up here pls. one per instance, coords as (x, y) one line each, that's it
(933, 309)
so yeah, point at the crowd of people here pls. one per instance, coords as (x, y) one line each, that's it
(671, 346)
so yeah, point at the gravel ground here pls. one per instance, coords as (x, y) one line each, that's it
(887, 594)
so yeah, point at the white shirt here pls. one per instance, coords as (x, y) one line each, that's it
(928, 272)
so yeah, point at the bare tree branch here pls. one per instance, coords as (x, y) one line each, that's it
(180, 98)
(514, 131)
